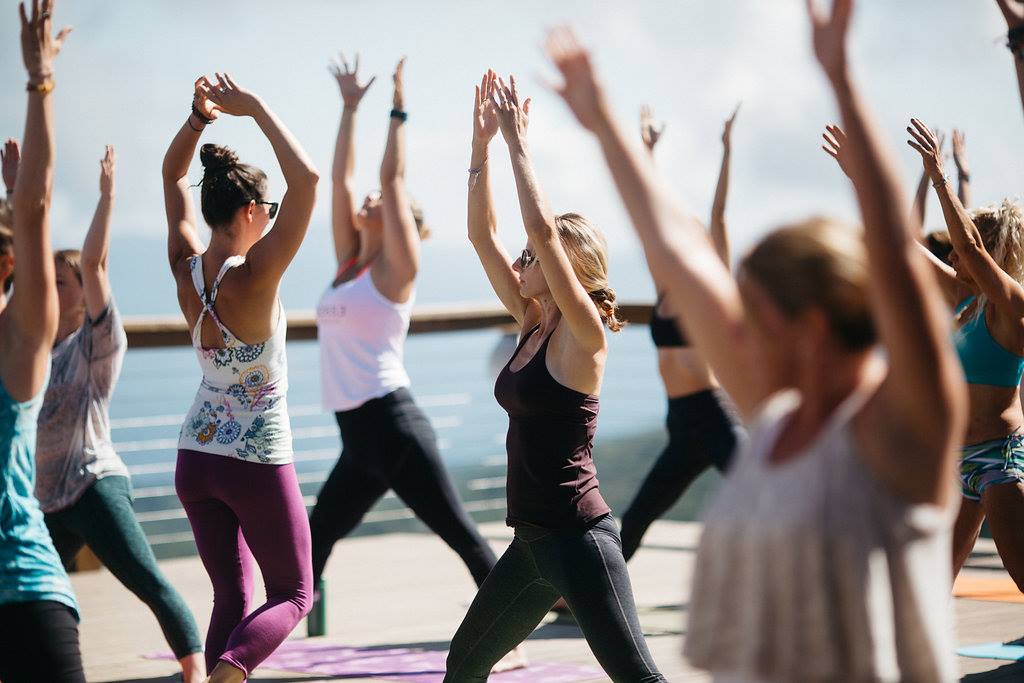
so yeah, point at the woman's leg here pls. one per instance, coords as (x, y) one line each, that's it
(965, 531)
(1004, 507)
(509, 605)
(39, 642)
(588, 569)
(105, 519)
(66, 542)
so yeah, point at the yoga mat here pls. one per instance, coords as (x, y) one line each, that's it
(1001, 589)
(1014, 653)
(398, 664)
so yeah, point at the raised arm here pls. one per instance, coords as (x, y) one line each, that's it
(270, 256)
(400, 258)
(95, 277)
(1013, 12)
(182, 237)
(921, 194)
(922, 404)
(1002, 290)
(650, 130)
(963, 171)
(343, 204)
(31, 315)
(483, 224)
(573, 301)
(719, 233)
(679, 252)
(10, 157)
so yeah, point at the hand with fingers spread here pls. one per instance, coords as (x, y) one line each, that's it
(485, 111)
(727, 130)
(107, 166)
(348, 80)
(513, 116)
(828, 36)
(580, 90)
(231, 98)
(650, 129)
(960, 153)
(929, 147)
(38, 46)
(398, 99)
(835, 146)
(11, 156)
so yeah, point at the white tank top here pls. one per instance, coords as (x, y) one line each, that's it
(240, 409)
(362, 340)
(811, 570)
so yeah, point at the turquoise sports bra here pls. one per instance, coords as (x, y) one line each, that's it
(983, 359)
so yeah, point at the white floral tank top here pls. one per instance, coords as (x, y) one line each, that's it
(240, 410)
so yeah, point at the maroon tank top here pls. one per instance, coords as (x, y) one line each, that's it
(552, 481)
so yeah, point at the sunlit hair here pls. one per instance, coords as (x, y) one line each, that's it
(1002, 233)
(72, 258)
(818, 263)
(588, 252)
(417, 213)
(227, 185)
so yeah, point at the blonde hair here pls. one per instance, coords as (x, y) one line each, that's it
(588, 252)
(417, 215)
(1002, 234)
(818, 263)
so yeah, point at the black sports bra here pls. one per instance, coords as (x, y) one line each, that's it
(666, 332)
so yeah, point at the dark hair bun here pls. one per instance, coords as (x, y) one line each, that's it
(216, 158)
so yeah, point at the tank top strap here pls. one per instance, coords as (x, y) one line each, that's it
(209, 298)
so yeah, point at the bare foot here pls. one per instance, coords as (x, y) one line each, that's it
(192, 668)
(512, 661)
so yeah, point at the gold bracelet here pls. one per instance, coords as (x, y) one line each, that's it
(43, 88)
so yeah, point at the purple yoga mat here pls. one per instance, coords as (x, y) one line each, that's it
(398, 664)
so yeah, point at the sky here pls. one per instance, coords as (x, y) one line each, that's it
(126, 74)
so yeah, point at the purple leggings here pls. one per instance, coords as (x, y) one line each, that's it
(239, 511)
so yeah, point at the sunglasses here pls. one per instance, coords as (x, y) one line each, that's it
(526, 259)
(272, 211)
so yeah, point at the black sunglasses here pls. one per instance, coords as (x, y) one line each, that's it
(272, 211)
(526, 259)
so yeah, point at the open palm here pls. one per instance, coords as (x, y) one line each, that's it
(348, 80)
(485, 116)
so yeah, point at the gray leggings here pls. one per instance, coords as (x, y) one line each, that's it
(584, 566)
(103, 518)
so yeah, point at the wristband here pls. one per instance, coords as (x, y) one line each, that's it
(44, 87)
(940, 182)
(474, 174)
(399, 114)
(195, 112)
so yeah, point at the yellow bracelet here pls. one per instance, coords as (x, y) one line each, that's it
(43, 88)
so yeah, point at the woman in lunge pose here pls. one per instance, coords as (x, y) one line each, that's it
(566, 542)
(38, 612)
(234, 475)
(362, 321)
(701, 425)
(824, 556)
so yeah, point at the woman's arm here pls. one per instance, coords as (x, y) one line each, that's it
(401, 253)
(270, 256)
(95, 277)
(650, 130)
(574, 303)
(922, 402)
(11, 157)
(719, 233)
(31, 315)
(1013, 12)
(182, 238)
(343, 204)
(963, 172)
(679, 252)
(1005, 293)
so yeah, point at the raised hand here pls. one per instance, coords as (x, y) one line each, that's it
(513, 117)
(201, 101)
(828, 35)
(650, 130)
(835, 146)
(348, 80)
(580, 89)
(398, 99)
(960, 153)
(107, 166)
(11, 157)
(727, 130)
(38, 47)
(929, 147)
(485, 112)
(230, 98)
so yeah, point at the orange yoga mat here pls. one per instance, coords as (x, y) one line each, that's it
(1001, 589)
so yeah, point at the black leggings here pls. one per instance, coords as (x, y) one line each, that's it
(702, 433)
(39, 642)
(584, 566)
(388, 443)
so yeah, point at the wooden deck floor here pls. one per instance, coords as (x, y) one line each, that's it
(410, 589)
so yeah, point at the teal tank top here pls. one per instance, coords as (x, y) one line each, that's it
(30, 568)
(983, 359)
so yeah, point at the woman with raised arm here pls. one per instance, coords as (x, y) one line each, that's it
(362, 321)
(702, 427)
(1013, 12)
(823, 556)
(83, 486)
(566, 542)
(38, 611)
(984, 282)
(234, 475)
